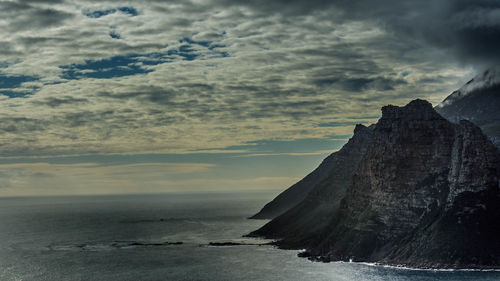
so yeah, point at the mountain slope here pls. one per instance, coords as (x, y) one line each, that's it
(477, 101)
(342, 162)
(303, 222)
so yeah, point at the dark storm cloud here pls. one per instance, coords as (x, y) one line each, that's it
(291, 7)
(468, 28)
(26, 16)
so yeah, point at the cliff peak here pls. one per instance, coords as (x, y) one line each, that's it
(359, 128)
(416, 109)
(419, 103)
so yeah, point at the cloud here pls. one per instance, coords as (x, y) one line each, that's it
(361, 83)
(22, 16)
(200, 75)
(56, 102)
(214, 94)
(468, 29)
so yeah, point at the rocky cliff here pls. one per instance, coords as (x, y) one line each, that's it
(335, 170)
(426, 193)
(306, 219)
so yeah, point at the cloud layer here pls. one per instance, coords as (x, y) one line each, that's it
(82, 77)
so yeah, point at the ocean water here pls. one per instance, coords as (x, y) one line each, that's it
(127, 238)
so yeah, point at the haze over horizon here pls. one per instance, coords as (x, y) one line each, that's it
(102, 97)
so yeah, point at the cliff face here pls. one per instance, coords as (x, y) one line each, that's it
(335, 170)
(426, 193)
(464, 231)
(305, 220)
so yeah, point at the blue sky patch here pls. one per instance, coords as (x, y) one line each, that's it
(98, 13)
(305, 145)
(128, 10)
(16, 94)
(8, 84)
(132, 64)
(116, 66)
(114, 35)
(95, 14)
(187, 52)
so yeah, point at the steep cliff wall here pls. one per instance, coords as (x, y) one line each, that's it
(425, 193)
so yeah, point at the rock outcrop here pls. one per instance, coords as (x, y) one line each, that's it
(426, 193)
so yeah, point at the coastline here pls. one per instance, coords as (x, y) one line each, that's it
(411, 266)
(406, 267)
(302, 253)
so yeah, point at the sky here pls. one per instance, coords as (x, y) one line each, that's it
(103, 97)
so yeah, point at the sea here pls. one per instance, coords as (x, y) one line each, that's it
(163, 237)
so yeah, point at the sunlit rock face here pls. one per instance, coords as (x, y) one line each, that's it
(425, 193)
(477, 101)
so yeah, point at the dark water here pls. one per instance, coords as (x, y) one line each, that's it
(124, 238)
